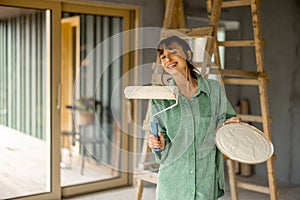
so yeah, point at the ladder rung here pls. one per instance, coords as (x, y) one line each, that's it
(228, 4)
(146, 176)
(147, 165)
(253, 187)
(238, 43)
(241, 73)
(251, 118)
(191, 32)
(240, 81)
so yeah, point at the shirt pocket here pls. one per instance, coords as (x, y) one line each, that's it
(172, 122)
(208, 120)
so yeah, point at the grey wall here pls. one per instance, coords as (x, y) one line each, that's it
(281, 30)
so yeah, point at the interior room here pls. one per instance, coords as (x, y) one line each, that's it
(70, 130)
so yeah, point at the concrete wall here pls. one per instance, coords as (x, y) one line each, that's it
(282, 22)
(281, 30)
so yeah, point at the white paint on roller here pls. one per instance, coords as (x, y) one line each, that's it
(151, 92)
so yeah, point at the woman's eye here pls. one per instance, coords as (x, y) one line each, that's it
(162, 57)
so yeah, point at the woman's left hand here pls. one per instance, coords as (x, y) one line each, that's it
(233, 119)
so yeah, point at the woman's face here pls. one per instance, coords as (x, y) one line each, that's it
(173, 59)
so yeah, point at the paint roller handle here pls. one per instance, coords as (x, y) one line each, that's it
(154, 129)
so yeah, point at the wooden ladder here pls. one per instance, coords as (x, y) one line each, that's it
(174, 19)
(259, 78)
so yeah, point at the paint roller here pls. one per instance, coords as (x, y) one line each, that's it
(153, 92)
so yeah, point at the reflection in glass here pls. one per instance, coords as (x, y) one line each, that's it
(91, 138)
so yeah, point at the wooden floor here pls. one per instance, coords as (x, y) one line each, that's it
(24, 166)
(91, 172)
(286, 192)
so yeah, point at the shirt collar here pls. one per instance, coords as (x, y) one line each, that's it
(202, 85)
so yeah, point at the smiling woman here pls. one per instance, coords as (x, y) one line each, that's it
(188, 156)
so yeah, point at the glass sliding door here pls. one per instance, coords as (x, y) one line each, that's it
(94, 147)
(24, 102)
(88, 77)
(52, 62)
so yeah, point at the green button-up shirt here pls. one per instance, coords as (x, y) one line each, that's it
(191, 167)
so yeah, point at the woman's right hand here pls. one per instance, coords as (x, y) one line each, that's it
(153, 141)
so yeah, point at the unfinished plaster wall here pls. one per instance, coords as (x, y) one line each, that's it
(294, 107)
(281, 30)
(282, 59)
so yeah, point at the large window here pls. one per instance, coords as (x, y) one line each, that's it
(50, 60)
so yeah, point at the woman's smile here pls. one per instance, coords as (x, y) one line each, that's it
(172, 65)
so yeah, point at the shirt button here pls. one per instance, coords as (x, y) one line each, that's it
(191, 171)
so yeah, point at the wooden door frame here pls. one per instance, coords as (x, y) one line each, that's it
(68, 70)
